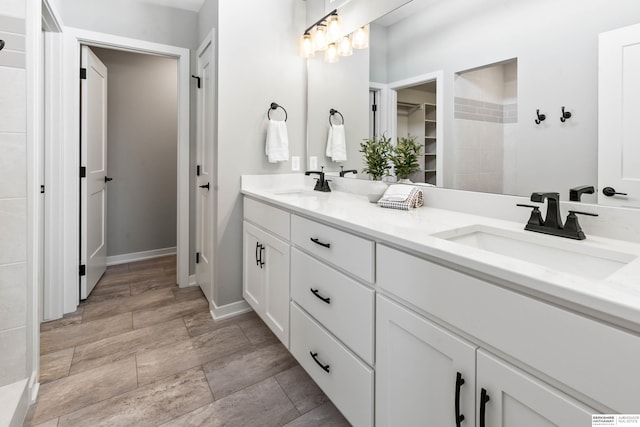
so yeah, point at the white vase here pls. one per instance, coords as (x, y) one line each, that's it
(376, 190)
(405, 181)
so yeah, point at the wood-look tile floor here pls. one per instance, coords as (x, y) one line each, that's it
(141, 351)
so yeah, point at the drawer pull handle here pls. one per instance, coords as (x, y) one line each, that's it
(318, 242)
(315, 292)
(484, 398)
(315, 359)
(459, 383)
(262, 247)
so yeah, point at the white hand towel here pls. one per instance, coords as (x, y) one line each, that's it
(401, 198)
(277, 145)
(397, 193)
(337, 144)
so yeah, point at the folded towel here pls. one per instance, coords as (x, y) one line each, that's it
(277, 145)
(337, 144)
(401, 198)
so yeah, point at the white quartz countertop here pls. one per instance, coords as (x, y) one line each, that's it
(615, 299)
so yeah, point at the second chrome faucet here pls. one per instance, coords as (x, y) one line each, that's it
(552, 224)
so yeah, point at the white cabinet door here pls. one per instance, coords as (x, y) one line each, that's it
(252, 274)
(276, 286)
(418, 370)
(265, 280)
(516, 399)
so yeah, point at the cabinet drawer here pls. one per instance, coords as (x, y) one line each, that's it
(348, 382)
(272, 219)
(351, 253)
(588, 356)
(340, 304)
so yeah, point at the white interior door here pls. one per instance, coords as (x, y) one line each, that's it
(205, 170)
(93, 157)
(618, 115)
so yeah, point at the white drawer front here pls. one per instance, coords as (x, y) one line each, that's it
(588, 356)
(342, 305)
(349, 382)
(272, 219)
(351, 253)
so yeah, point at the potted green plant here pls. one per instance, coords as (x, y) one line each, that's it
(404, 157)
(376, 156)
(376, 153)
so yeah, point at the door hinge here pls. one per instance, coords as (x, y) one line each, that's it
(83, 73)
(197, 257)
(197, 170)
(83, 270)
(374, 107)
(42, 189)
(83, 172)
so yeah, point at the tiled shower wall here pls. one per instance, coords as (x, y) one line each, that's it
(13, 194)
(471, 109)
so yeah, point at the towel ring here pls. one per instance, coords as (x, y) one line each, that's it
(333, 112)
(275, 106)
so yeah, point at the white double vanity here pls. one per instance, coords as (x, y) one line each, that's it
(436, 317)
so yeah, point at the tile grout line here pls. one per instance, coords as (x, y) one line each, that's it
(288, 397)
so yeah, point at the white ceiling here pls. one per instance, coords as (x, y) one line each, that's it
(193, 5)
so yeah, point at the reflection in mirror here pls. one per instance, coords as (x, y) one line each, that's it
(555, 43)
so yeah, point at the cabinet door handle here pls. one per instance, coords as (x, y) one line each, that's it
(459, 383)
(315, 292)
(326, 368)
(318, 242)
(484, 398)
(262, 263)
(257, 250)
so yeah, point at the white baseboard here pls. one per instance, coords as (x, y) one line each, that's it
(139, 256)
(230, 310)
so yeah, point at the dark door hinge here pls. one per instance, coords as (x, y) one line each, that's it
(197, 257)
(42, 189)
(83, 270)
(374, 107)
(83, 73)
(83, 172)
(197, 170)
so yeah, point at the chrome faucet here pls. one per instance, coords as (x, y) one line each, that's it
(322, 184)
(552, 223)
(344, 172)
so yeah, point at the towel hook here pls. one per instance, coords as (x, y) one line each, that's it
(1, 44)
(276, 106)
(541, 117)
(333, 112)
(565, 115)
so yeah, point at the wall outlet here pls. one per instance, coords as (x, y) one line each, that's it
(295, 163)
(313, 163)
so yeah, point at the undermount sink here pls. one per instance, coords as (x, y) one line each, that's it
(555, 253)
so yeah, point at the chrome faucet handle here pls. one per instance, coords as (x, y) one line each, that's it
(536, 216)
(572, 227)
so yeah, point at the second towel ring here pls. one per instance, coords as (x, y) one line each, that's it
(275, 106)
(333, 112)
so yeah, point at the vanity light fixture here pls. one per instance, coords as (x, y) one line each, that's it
(334, 29)
(320, 37)
(344, 47)
(331, 54)
(361, 38)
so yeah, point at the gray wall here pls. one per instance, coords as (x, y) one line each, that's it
(142, 145)
(207, 18)
(556, 43)
(14, 359)
(258, 63)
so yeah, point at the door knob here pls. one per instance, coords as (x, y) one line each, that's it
(107, 179)
(610, 191)
(205, 186)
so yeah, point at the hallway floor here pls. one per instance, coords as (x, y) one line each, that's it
(141, 351)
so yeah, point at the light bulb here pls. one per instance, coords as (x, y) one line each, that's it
(333, 29)
(345, 48)
(361, 38)
(306, 46)
(320, 38)
(331, 54)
